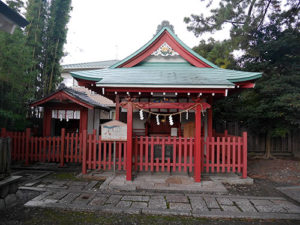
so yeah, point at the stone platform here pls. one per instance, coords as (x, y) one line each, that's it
(161, 182)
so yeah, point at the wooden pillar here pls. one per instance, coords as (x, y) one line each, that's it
(117, 107)
(47, 122)
(83, 120)
(197, 159)
(129, 142)
(245, 152)
(84, 150)
(62, 147)
(209, 118)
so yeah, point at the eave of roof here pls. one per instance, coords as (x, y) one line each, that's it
(89, 65)
(178, 75)
(12, 15)
(153, 39)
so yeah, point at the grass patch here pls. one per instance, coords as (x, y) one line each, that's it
(38, 216)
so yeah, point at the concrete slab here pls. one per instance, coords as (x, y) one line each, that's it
(292, 192)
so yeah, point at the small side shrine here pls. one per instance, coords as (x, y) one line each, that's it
(164, 92)
(70, 109)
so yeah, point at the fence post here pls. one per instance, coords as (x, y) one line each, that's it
(84, 144)
(27, 148)
(62, 147)
(245, 151)
(225, 133)
(3, 132)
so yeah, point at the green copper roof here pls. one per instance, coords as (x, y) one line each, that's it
(154, 38)
(175, 74)
(89, 65)
(165, 74)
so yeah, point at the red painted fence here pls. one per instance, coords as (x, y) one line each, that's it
(104, 155)
(219, 154)
(66, 148)
(163, 154)
(225, 154)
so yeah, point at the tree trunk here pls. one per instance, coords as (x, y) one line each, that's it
(267, 154)
(52, 69)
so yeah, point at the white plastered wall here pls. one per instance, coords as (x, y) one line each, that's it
(93, 120)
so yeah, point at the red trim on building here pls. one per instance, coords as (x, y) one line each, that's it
(61, 95)
(167, 90)
(164, 37)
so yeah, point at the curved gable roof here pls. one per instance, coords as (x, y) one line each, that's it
(168, 36)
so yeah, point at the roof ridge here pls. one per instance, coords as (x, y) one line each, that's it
(157, 35)
(89, 62)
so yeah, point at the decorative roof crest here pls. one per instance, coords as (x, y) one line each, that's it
(165, 23)
(164, 50)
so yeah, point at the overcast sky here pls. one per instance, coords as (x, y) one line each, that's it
(113, 29)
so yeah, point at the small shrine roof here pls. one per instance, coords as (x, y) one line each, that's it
(76, 96)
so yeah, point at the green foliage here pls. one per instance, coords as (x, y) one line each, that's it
(56, 38)
(273, 106)
(220, 53)
(268, 32)
(16, 81)
(29, 59)
(46, 34)
(244, 16)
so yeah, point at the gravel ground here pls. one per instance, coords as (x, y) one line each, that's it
(280, 171)
(267, 175)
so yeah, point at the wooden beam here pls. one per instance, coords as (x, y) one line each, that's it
(124, 90)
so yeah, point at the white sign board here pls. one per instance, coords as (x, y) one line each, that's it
(114, 131)
(174, 132)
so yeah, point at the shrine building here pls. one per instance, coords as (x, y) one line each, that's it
(164, 92)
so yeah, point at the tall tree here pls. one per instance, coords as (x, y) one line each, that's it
(218, 52)
(16, 80)
(269, 35)
(29, 60)
(37, 15)
(244, 16)
(56, 38)
(47, 36)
